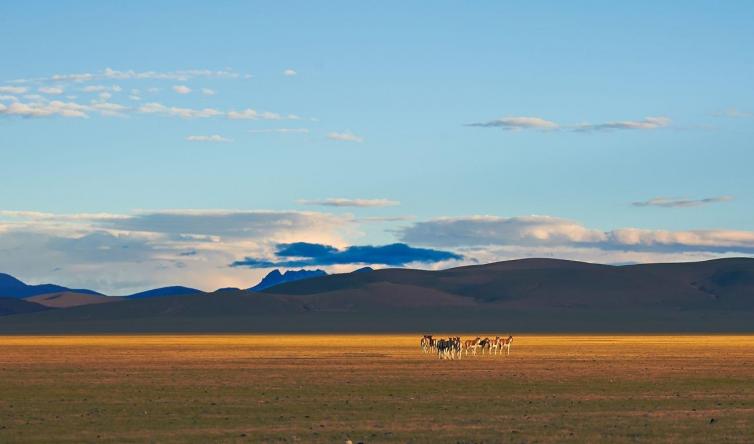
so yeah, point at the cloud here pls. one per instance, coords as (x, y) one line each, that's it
(345, 137)
(51, 90)
(229, 223)
(39, 106)
(378, 219)
(101, 88)
(109, 109)
(44, 109)
(184, 113)
(289, 72)
(13, 89)
(647, 123)
(493, 230)
(342, 202)
(208, 92)
(666, 202)
(78, 78)
(540, 124)
(519, 123)
(547, 231)
(170, 75)
(280, 130)
(122, 253)
(303, 254)
(252, 114)
(213, 138)
(109, 73)
(181, 89)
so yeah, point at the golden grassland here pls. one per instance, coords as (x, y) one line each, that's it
(374, 388)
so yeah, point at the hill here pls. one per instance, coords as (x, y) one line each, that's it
(11, 287)
(10, 306)
(551, 283)
(522, 295)
(176, 290)
(68, 299)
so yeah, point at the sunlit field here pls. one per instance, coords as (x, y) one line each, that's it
(380, 388)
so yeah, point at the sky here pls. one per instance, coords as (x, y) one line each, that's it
(145, 144)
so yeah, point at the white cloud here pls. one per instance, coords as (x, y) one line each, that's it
(51, 90)
(39, 106)
(538, 123)
(208, 92)
(343, 202)
(7, 98)
(39, 109)
(252, 114)
(181, 89)
(519, 123)
(289, 72)
(109, 109)
(184, 113)
(78, 78)
(123, 253)
(212, 138)
(13, 89)
(542, 231)
(182, 75)
(109, 73)
(666, 202)
(647, 123)
(345, 137)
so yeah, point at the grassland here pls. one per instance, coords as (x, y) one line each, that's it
(379, 388)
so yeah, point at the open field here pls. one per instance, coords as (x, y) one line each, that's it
(378, 388)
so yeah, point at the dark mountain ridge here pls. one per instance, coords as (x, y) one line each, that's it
(10, 306)
(14, 288)
(522, 295)
(532, 283)
(175, 290)
(274, 278)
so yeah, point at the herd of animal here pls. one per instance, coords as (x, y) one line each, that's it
(454, 347)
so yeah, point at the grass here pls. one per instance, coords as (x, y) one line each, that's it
(374, 388)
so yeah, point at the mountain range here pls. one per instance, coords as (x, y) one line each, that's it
(520, 295)
(276, 278)
(14, 288)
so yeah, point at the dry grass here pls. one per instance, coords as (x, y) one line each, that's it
(379, 388)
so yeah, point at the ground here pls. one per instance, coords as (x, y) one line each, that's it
(377, 388)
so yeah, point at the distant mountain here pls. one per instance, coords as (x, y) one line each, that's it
(363, 270)
(10, 306)
(552, 283)
(276, 278)
(11, 287)
(176, 290)
(68, 299)
(530, 295)
(227, 289)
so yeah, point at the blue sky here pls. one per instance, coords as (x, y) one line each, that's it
(490, 131)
